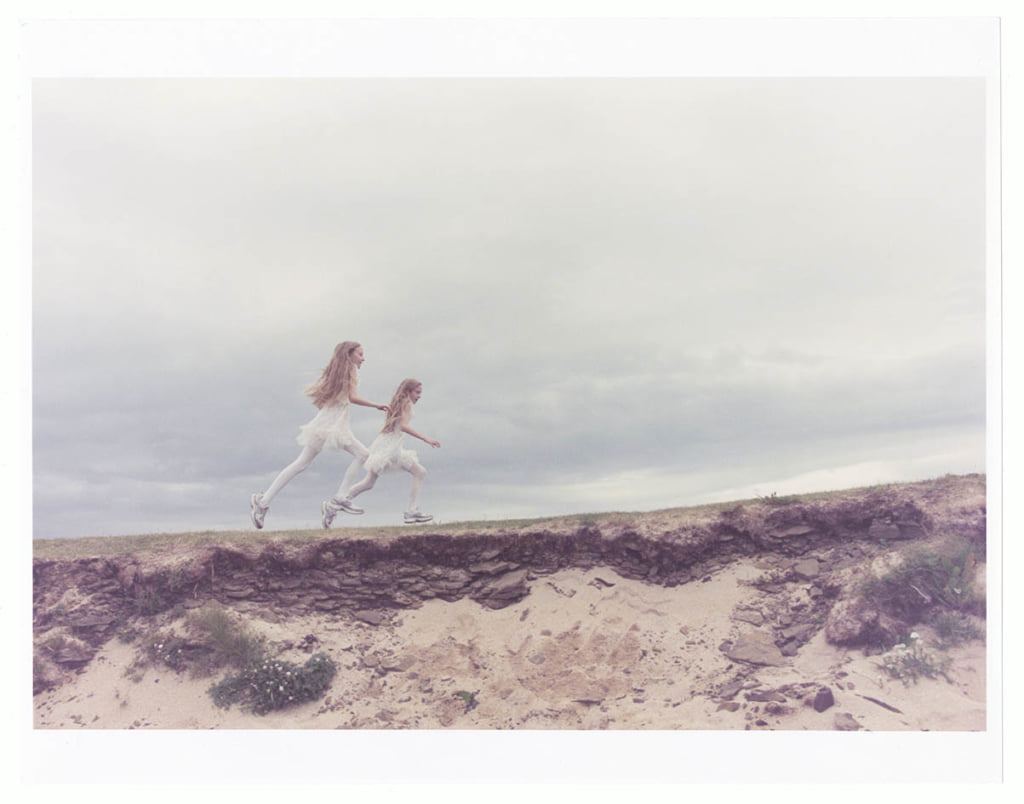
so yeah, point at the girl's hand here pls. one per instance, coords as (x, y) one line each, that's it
(384, 408)
(434, 444)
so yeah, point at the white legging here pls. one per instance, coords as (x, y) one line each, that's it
(300, 464)
(367, 483)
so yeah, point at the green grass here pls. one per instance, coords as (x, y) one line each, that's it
(230, 640)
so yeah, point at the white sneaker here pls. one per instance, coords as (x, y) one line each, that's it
(348, 507)
(327, 512)
(415, 517)
(258, 510)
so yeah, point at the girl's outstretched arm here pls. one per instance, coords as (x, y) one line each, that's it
(410, 431)
(355, 399)
(407, 429)
(366, 403)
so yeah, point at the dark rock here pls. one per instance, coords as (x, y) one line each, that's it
(823, 699)
(790, 648)
(369, 616)
(728, 706)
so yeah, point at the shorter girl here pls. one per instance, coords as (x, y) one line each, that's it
(387, 454)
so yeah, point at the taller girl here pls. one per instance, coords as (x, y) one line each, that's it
(332, 394)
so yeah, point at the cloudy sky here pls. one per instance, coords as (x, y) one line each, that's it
(619, 293)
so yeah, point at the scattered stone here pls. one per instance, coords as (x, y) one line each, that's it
(790, 648)
(763, 696)
(371, 660)
(601, 583)
(798, 632)
(807, 569)
(728, 706)
(823, 699)
(730, 689)
(752, 616)
(756, 648)
(393, 664)
(844, 721)
(369, 616)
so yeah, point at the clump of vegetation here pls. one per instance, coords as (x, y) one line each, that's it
(267, 685)
(929, 577)
(468, 698)
(126, 632)
(953, 628)
(167, 649)
(775, 499)
(228, 640)
(909, 661)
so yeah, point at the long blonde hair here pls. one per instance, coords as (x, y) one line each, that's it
(336, 380)
(400, 403)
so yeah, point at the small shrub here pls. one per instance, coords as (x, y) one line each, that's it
(468, 698)
(909, 661)
(231, 642)
(126, 632)
(953, 628)
(167, 649)
(926, 578)
(273, 684)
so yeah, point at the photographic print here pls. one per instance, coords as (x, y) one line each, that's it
(527, 401)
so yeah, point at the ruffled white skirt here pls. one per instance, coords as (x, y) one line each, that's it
(329, 428)
(387, 455)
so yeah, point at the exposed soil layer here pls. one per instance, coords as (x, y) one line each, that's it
(369, 578)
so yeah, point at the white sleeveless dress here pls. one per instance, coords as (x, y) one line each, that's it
(329, 428)
(387, 454)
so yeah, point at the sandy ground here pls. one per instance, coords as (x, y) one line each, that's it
(584, 650)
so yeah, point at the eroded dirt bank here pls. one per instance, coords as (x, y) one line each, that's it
(796, 563)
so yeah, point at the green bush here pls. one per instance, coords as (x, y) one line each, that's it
(230, 641)
(953, 628)
(273, 684)
(927, 578)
